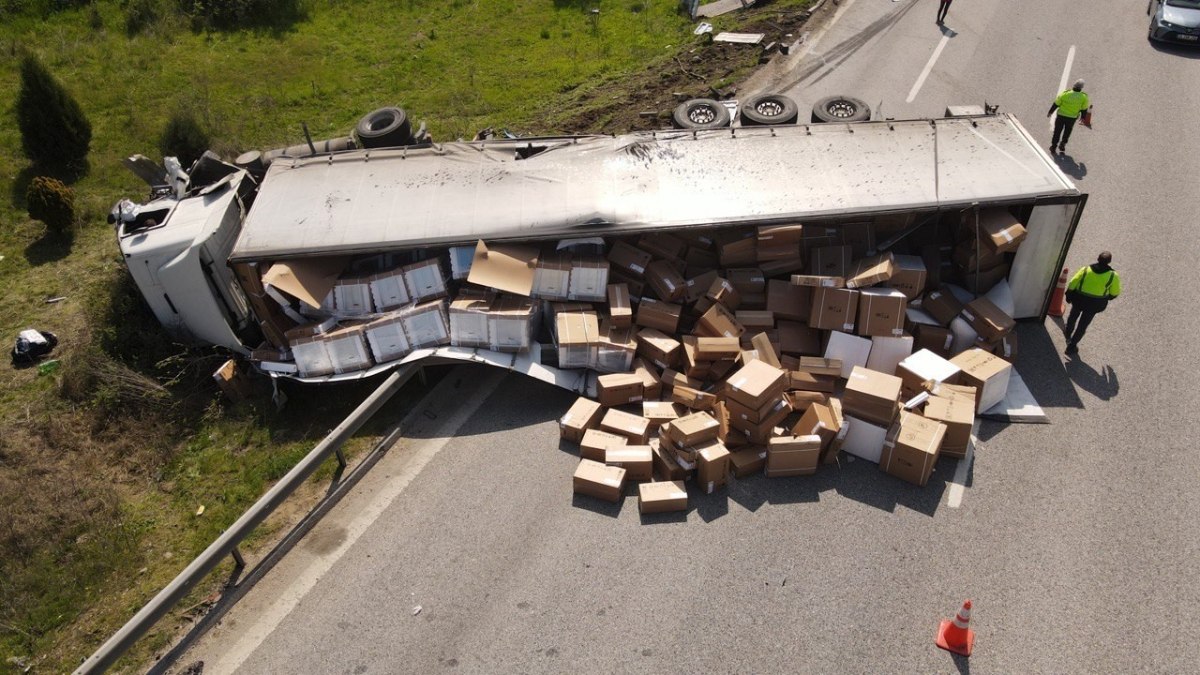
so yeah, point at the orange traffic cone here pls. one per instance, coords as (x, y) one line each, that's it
(954, 635)
(1058, 303)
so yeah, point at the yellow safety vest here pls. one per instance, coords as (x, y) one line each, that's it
(1087, 282)
(1070, 103)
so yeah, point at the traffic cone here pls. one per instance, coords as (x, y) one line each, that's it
(1058, 303)
(954, 635)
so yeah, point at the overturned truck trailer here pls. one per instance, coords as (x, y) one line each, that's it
(343, 265)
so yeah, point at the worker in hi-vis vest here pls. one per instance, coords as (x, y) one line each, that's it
(1070, 105)
(1089, 292)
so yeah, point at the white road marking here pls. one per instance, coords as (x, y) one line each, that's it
(959, 485)
(1062, 82)
(264, 623)
(928, 67)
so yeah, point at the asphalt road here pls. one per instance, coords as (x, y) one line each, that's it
(1076, 540)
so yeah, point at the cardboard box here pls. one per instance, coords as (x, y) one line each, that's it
(666, 467)
(589, 279)
(697, 286)
(666, 282)
(425, 280)
(988, 320)
(793, 456)
(936, 339)
(614, 351)
(629, 259)
(756, 383)
(651, 384)
(958, 416)
(719, 322)
(797, 339)
(788, 301)
(469, 319)
(888, 352)
(773, 412)
(510, 323)
(576, 335)
(672, 379)
(831, 261)
(620, 308)
(692, 366)
(692, 398)
(311, 355)
(764, 350)
(386, 338)
(712, 466)
(851, 350)
(782, 267)
(911, 448)
(505, 267)
(692, 430)
(352, 296)
(860, 237)
(637, 460)
(747, 280)
(833, 309)
(662, 497)
(957, 392)
(871, 271)
(941, 305)
(819, 421)
(716, 348)
(972, 256)
(881, 312)
(737, 248)
(799, 380)
(596, 441)
(755, 320)
(1003, 231)
(819, 365)
(584, 414)
(988, 373)
(864, 439)
(663, 245)
(664, 316)
(635, 428)
(983, 281)
(619, 389)
(924, 366)
(552, 277)
(817, 281)
(723, 292)
(775, 234)
(661, 412)
(426, 325)
(748, 461)
(662, 350)
(637, 287)
(908, 276)
(698, 260)
(872, 396)
(388, 290)
(599, 480)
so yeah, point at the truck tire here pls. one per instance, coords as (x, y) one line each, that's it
(384, 128)
(700, 113)
(840, 109)
(768, 109)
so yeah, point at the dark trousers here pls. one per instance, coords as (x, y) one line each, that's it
(1062, 128)
(942, 9)
(1077, 322)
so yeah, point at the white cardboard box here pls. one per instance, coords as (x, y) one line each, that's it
(888, 352)
(863, 439)
(851, 349)
(387, 339)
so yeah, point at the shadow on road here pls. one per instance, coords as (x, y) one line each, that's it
(1176, 50)
(1041, 366)
(1102, 384)
(1071, 167)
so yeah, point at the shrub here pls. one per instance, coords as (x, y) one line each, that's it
(183, 138)
(51, 202)
(229, 14)
(140, 15)
(54, 131)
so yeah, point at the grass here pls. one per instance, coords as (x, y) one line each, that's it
(109, 459)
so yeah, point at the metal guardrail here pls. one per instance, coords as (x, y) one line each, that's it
(228, 542)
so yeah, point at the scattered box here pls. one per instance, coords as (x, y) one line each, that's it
(712, 465)
(988, 320)
(881, 311)
(637, 460)
(817, 281)
(596, 441)
(747, 280)
(387, 338)
(599, 480)
(426, 325)
(589, 279)
(666, 282)
(693, 429)
(958, 415)
(755, 319)
(619, 389)
(311, 356)
(819, 420)
(584, 414)
(941, 305)
(662, 497)
(661, 412)
(864, 439)
(851, 350)
(911, 448)
(872, 396)
(908, 276)
(756, 383)
(663, 245)
(651, 384)
(924, 366)
(388, 290)
(788, 301)
(723, 292)
(662, 350)
(936, 339)
(510, 323)
(635, 428)
(797, 339)
(552, 277)
(871, 271)
(469, 319)
(620, 309)
(425, 280)
(718, 321)
(629, 259)
(983, 281)
(663, 316)
(1004, 232)
(888, 352)
(716, 348)
(988, 373)
(748, 461)
(833, 309)
(666, 468)
(831, 261)
(576, 334)
(793, 456)
(615, 348)
(352, 296)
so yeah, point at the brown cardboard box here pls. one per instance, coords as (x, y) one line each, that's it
(912, 448)
(924, 366)
(671, 379)
(819, 236)
(615, 349)
(775, 268)
(831, 261)
(692, 398)
(552, 277)
(958, 415)
(908, 276)
(941, 305)
(957, 392)
(662, 245)
(596, 441)
(748, 461)
(666, 282)
(619, 389)
(697, 286)
(589, 279)
(983, 281)
(969, 256)
(712, 466)
(505, 267)
(780, 234)
(651, 384)
(468, 318)
(765, 350)
(871, 396)
(860, 237)
(774, 410)
(756, 383)
(797, 339)
(802, 381)
(871, 271)
(663, 316)
(665, 465)
(755, 319)
(692, 366)
(637, 287)
(635, 428)
(716, 348)
(936, 339)
(1003, 232)
(600, 481)
(802, 400)
(576, 337)
(719, 322)
(834, 309)
(662, 350)
(661, 412)
(737, 248)
(620, 310)
(426, 324)
(723, 292)
(881, 312)
(698, 260)
(817, 281)
(988, 373)
(818, 420)
(817, 365)
(987, 319)
(511, 323)
(584, 414)
(768, 250)
(662, 497)
(793, 456)
(693, 429)
(629, 259)
(637, 460)
(788, 301)
(747, 280)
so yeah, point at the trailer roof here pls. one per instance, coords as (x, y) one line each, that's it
(452, 193)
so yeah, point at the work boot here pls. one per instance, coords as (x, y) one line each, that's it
(1053, 150)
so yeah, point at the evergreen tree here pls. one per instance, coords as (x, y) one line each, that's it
(51, 202)
(183, 138)
(54, 131)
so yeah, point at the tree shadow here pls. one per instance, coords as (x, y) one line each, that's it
(50, 247)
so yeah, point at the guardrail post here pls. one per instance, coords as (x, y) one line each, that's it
(238, 560)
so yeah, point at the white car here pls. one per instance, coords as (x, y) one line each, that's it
(1174, 21)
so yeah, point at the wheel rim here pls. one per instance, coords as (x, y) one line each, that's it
(842, 109)
(769, 108)
(702, 114)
